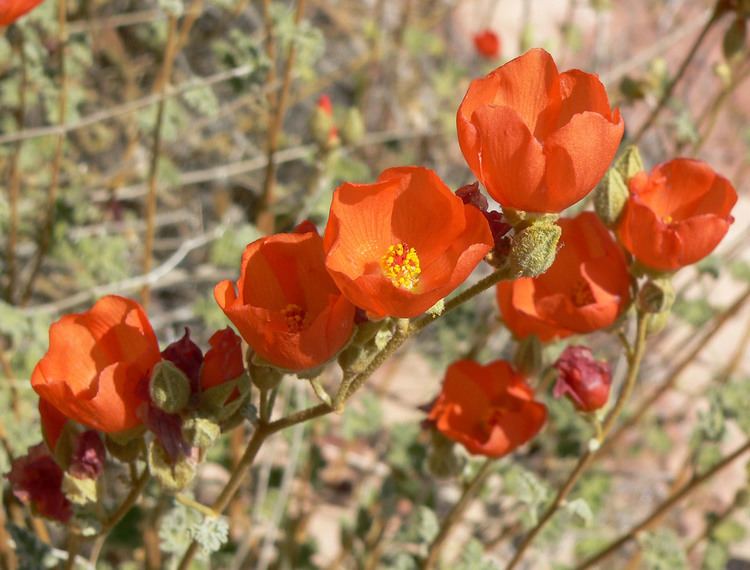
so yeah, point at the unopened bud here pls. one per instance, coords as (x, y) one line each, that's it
(353, 130)
(169, 387)
(610, 197)
(443, 460)
(656, 296)
(200, 432)
(534, 248)
(528, 357)
(323, 125)
(657, 322)
(630, 163)
(125, 451)
(264, 377)
(171, 475)
(583, 379)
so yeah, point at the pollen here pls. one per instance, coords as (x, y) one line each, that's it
(401, 265)
(295, 317)
(667, 219)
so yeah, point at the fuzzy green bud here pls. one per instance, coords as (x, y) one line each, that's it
(264, 377)
(610, 197)
(79, 491)
(657, 322)
(528, 357)
(172, 476)
(443, 460)
(353, 129)
(630, 163)
(200, 432)
(169, 388)
(534, 248)
(656, 296)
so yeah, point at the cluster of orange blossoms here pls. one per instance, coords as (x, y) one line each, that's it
(538, 141)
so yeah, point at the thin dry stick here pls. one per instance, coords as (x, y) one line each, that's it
(264, 218)
(456, 514)
(45, 238)
(634, 363)
(655, 395)
(669, 89)
(8, 373)
(657, 513)
(151, 203)
(14, 184)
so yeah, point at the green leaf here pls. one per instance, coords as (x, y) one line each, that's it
(580, 511)
(211, 533)
(696, 312)
(662, 550)
(729, 532)
(527, 488)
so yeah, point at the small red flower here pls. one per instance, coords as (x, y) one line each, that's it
(487, 44)
(488, 409)
(97, 363)
(539, 140)
(36, 479)
(586, 288)
(11, 10)
(585, 380)
(676, 215)
(398, 246)
(285, 304)
(223, 361)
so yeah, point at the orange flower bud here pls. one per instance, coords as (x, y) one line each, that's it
(285, 305)
(98, 364)
(489, 409)
(586, 288)
(676, 215)
(11, 10)
(539, 140)
(398, 246)
(487, 44)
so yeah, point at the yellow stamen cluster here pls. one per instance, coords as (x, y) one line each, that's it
(401, 265)
(582, 294)
(295, 317)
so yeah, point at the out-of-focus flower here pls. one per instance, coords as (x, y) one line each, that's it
(98, 363)
(398, 246)
(285, 304)
(585, 380)
(11, 10)
(489, 409)
(37, 479)
(539, 140)
(586, 288)
(676, 215)
(487, 44)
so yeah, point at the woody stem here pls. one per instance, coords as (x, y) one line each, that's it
(634, 364)
(456, 513)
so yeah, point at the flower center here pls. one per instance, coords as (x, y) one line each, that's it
(295, 317)
(582, 295)
(401, 265)
(667, 219)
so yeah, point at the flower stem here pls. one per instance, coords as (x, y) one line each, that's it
(634, 363)
(264, 430)
(456, 513)
(659, 511)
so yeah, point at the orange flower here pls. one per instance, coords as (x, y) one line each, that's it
(11, 10)
(489, 409)
(487, 44)
(676, 215)
(285, 304)
(586, 289)
(97, 363)
(539, 140)
(53, 423)
(398, 246)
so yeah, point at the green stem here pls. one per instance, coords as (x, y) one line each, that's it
(456, 513)
(634, 363)
(263, 430)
